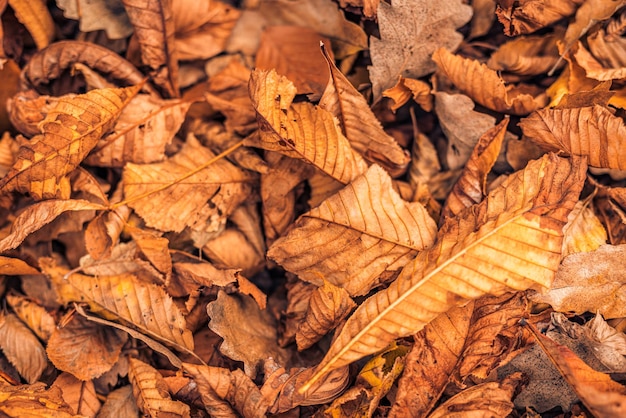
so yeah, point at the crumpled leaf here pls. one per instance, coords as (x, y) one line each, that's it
(154, 29)
(593, 69)
(233, 387)
(84, 349)
(486, 399)
(407, 88)
(253, 340)
(471, 187)
(98, 14)
(592, 131)
(300, 130)
(70, 131)
(590, 281)
(599, 393)
(141, 133)
(150, 392)
(532, 55)
(529, 207)
(34, 400)
(80, 395)
(36, 17)
(395, 54)
(607, 47)
(364, 231)
(531, 15)
(328, 306)
(22, 348)
(486, 87)
(610, 205)
(185, 190)
(32, 314)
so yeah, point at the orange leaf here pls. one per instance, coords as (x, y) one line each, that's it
(36, 17)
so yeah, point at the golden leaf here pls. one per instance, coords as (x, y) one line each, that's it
(22, 348)
(86, 350)
(184, 191)
(33, 315)
(328, 306)
(150, 391)
(81, 396)
(407, 88)
(120, 403)
(602, 396)
(103, 232)
(36, 17)
(145, 306)
(592, 131)
(300, 130)
(364, 231)
(358, 122)
(610, 206)
(232, 386)
(584, 231)
(531, 15)
(532, 55)
(502, 233)
(70, 131)
(471, 187)
(35, 401)
(486, 87)
(154, 30)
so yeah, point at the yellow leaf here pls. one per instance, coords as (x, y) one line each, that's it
(510, 241)
(356, 235)
(34, 401)
(36, 17)
(584, 231)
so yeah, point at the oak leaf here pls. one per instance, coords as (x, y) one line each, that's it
(530, 206)
(395, 54)
(300, 130)
(486, 87)
(364, 231)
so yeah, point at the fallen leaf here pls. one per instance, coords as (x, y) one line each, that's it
(531, 15)
(81, 396)
(584, 231)
(35, 316)
(21, 348)
(368, 231)
(394, 55)
(36, 17)
(532, 55)
(119, 403)
(407, 88)
(95, 15)
(34, 400)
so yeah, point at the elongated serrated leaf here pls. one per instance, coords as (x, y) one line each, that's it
(510, 241)
(70, 131)
(145, 306)
(356, 235)
(150, 391)
(300, 130)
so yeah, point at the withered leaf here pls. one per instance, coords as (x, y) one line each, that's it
(101, 14)
(356, 235)
(119, 403)
(14, 266)
(34, 400)
(531, 15)
(150, 392)
(191, 189)
(300, 130)
(531, 206)
(70, 131)
(407, 88)
(80, 395)
(584, 231)
(531, 55)
(37, 19)
(21, 348)
(32, 314)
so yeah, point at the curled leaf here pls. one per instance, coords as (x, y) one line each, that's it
(36, 17)
(531, 15)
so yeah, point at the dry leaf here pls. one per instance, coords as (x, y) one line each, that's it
(394, 54)
(530, 206)
(32, 314)
(471, 187)
(119, 403)
(607, 47)
(361, 233)
(81, 396)
(98, 14)
(154, 30)
(300, 130)
(591, 131)
(407, 88)
(14, 266)
(531, 15)
(150, 391)
(247, 257)
(22, 348)
(532, 55)
(36, 17)
(483, 18)
(191, 189)
(584, 231)
(70, 131)
(253, 341)
(328, 306)
(486, 87)
(103, 232)
(35, 401)
(359, 124)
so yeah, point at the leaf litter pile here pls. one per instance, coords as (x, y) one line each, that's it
(301, 208)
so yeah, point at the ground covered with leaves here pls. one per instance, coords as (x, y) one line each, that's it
(302, 208)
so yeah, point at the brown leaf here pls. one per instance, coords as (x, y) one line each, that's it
(393, 55)
(99, 14)
(486, 87)
(591, 131)
(530, 206)
(531, 15)
(34, 400)
(232, 386)
(36, 17)
(359, 124)
(142, 132)
(532, 55)
(22, 348)
(150, 392)
(598, 392)
(607, 48)
(27, 109)
(407, 88)
(70, 131)
(610, 205)
(14, 266)
(154, 28)
(471, 187)
(81, 396)
(84, 349)
(361, 232)
(431, 361)
(300, 130)
(119, 403)
(369, 6)
(32, 314)
(247, 257)
(191, 189)
(584, 231)
(328, 306)
(103, 232)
